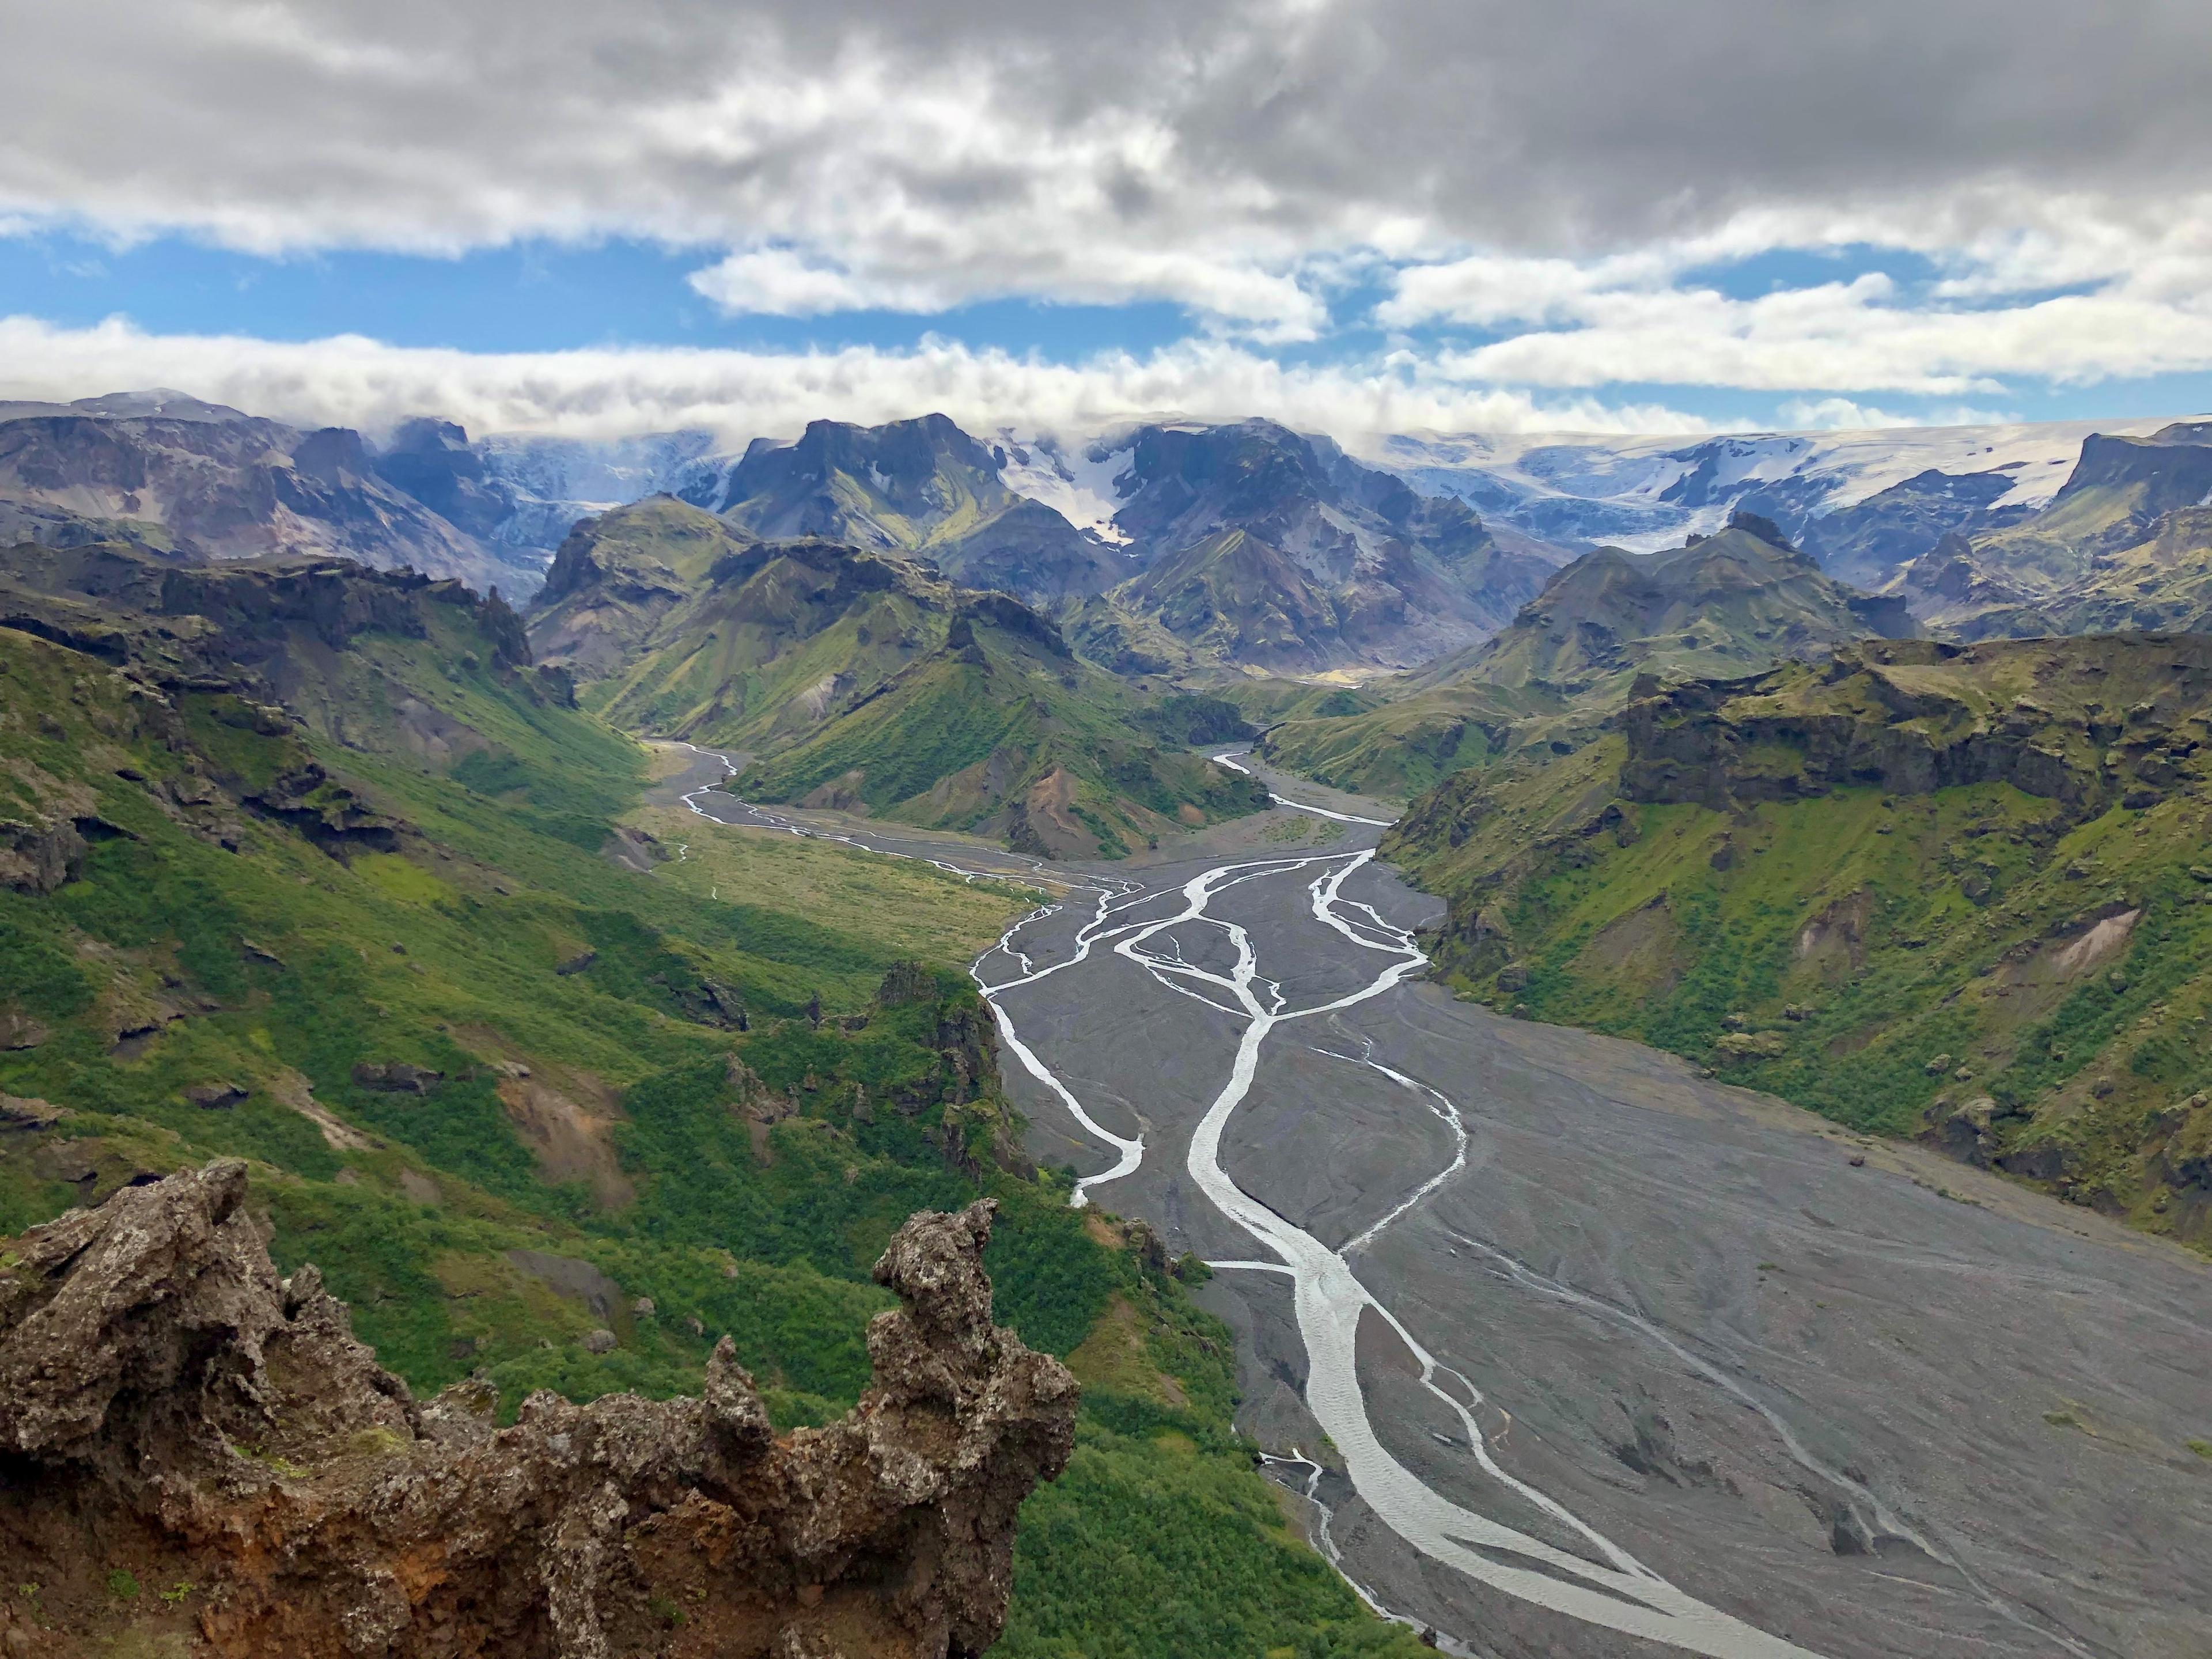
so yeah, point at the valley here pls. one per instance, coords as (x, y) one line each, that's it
(1321, 830)
(843, 832)
(546, 1116)
(1540, 1402)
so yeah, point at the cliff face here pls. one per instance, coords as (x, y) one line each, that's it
(224, 485)
(2085, 721)
(175, 1416)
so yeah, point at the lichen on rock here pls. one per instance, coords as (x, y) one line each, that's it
(172, 1409)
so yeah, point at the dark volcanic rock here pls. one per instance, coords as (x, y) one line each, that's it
(37, 858)
(171, 1409)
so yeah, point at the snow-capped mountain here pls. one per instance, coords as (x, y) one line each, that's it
(551, 482)
(1646, 493)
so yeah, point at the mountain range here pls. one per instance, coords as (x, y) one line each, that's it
(166, 471)
(1732, 602)
(1167, 546)
(859, 679)
(1643, 493)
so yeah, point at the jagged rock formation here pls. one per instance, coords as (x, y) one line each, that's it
(173, 1413)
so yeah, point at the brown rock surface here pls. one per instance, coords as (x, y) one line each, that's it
(170, 1409)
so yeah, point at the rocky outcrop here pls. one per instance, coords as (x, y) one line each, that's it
(236, 623)
(1915, 716)
(173, 1414)
(37, 858)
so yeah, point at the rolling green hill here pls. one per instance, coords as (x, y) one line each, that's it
(1724, 604)
(1960, 892)
(546, 1114)
(867, 683)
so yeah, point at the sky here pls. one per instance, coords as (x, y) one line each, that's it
(1384, 216)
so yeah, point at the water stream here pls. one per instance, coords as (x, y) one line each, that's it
(1614, 1590)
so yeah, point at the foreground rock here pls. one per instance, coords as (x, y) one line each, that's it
(173, 1415)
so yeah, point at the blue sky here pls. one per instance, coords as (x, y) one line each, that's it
(543, 296)
(1355, 216)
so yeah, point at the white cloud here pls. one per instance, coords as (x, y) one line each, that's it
(1237, 157)
(782, 281)
(1245, 159)
(353, 381)
(1630, 320)
(1842, 415)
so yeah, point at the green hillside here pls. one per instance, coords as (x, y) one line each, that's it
(1978, 875)
(867, 683)
(558, 1116)
(1726, 603)
(1001, 730)
(616, 576)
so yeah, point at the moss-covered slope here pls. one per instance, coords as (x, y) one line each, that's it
(1726, 603)
(867, 683)
(1961, 893)
(559, 1117)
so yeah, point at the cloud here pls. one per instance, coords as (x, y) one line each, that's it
(1842, 415)
(1227, 157)
(354, 381)
(1629, 321)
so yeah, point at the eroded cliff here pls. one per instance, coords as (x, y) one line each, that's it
(199, 1456)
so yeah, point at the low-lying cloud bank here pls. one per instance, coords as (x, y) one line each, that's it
(349, 380)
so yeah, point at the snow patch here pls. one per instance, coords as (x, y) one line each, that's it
(1598, 488)
(1076, 480)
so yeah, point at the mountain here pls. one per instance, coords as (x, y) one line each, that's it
(864, 681)
(550, 482)
(1262, 549)
(911, 487)
(210, 483)
(1923, 889)
(527, 490)
(1730, 603)
(1742, 597)
(2125, 543)
(1645, 493)
(1868, 542)
(618, 575)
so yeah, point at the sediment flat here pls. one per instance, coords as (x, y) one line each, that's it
(1902, 1407)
